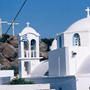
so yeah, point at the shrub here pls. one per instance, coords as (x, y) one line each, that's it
(20, 81)
(48, 42)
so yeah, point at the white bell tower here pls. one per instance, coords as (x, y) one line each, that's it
(28, 51)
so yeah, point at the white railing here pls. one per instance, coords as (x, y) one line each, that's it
(33, 53)
(29, 54)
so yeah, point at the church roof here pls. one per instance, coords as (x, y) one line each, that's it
(29, 30)
(80, 25)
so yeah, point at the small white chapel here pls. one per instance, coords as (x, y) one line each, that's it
(72, 49)
(29, 54)
(70, 55)
(69, 58)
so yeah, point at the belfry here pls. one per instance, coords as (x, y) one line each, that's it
(28, 51)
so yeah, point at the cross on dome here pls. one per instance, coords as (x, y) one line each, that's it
(88, 11)
(28, 24)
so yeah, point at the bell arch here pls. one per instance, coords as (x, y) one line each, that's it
(33, 48)
(76, 40)
(26, 48)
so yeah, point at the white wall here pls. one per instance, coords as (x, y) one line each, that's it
(62, 61)
(76, 61)
(6, 73)
(6, 76)
(84, 38)
(57, 62)
(25, 87)
(83, 82)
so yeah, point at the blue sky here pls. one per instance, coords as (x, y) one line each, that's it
(48, 17)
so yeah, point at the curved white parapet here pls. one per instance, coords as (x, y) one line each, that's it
(6, 76)
(41, 69)
(80, 25)
(26, 87)
(84, 68)
(54, 45)
(7, 73)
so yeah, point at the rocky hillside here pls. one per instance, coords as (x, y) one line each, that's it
(9, 51)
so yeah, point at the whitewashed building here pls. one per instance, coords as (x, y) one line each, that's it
(69, 58)
(6, 76)
(72, 56)
(28, 51)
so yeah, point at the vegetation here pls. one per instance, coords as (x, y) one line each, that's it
(4, 37)
(20, 81)
(48, 42)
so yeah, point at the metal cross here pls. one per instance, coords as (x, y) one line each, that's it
(88, 11)
(28, 24)
(1, 22)
(13, 26)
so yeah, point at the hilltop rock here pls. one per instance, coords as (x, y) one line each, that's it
(9, 51)
(43, 50)
(13, 40)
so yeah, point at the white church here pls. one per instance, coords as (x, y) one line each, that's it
(72, 49)
(69, 58)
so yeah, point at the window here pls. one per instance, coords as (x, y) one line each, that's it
(60, 42)
(27, 67)
(33, 48)
(76, 39)
(26, 45)
(26, 48)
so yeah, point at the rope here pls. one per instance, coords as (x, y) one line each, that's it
(23, 4)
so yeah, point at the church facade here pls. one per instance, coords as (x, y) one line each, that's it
(28, 51)
(73, 47)
(69, 58)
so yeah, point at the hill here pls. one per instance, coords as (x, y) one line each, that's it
(9, 51)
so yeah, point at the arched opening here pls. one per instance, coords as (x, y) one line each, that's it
(27, 67)
(26, 48)
(33, 48)
(76, 39)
